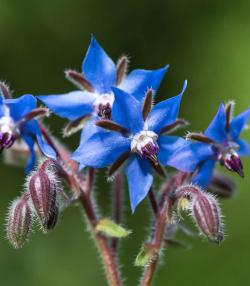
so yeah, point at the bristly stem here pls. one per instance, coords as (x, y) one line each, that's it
(82, 190)
(117, 202)
(163, 218)
(90, 180)
(153, 201)
(163, 214)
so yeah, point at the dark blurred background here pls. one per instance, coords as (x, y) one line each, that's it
(206, 42)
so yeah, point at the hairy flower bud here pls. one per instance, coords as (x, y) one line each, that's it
(19, 221)
(43, 187)
(204, 210)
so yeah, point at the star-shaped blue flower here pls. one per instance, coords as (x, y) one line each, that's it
(99, 75)
(15, 124)
(138, 137)
(223, 137)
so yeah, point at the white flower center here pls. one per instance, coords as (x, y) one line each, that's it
(7, 125)
(103, 105)
(144, 143)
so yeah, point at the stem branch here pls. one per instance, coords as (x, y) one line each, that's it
(81, 189)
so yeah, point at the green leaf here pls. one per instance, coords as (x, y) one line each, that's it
(112, 229)
(145, 256)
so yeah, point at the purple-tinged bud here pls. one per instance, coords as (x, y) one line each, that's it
(204, 210)
(206, 213)
(231, 160)
(43, 187)
(221, 186)
(19, 221)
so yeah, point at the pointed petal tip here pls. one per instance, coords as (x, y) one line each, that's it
(184, 86)
(165, 68)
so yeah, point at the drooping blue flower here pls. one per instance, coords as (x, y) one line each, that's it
(14, 124)
(99, 75)
(137, 136)
(223, 136)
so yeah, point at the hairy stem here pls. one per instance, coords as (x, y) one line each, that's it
(90, 180)
(153, 201)
(163, 218)
(82, 190)
(163, 213)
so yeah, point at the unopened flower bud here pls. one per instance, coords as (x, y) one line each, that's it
(43, 187)
(204, 210)
(232, 162)
(206, 213)
(19, 221)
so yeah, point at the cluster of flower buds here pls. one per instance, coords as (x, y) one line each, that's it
(39, 201)
(43, 187)
(204, 209)
(19, 221)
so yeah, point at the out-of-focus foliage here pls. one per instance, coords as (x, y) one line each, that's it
(206, 42)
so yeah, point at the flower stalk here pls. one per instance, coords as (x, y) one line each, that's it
(82, 190)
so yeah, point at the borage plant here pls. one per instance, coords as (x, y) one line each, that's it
(123, 130)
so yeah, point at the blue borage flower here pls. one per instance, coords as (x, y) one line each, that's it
(99, 74)
(15, 123)
(223, 137)
(137, 136)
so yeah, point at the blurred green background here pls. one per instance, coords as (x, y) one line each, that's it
(206, 42)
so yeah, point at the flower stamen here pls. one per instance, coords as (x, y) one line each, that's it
(103, 105)
(144, 143)
(7, 132)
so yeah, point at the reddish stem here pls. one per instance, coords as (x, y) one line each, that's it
(81, 189)
(163, 213)
(153, 201)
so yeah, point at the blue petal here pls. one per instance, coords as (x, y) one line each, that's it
(21, 106)
(70, 105)
(89, 129)
(140, 179)
(139, 81)
(1, 106)
(32, 156)
(244, 149)
(31, 128)
(127, 111)
(165, 112)
(185, 156)
(238, 124)
(168, 145)
(98, 68)
(204, 174)
(217, 128)
(101, 149)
